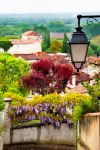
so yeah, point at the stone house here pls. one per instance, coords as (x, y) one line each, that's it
(30, 42)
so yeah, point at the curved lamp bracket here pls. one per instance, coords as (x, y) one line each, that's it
(90, 19)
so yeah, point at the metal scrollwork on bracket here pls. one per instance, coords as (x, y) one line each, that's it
(91, 20)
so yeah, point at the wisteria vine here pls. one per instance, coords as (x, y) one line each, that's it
(50, 109)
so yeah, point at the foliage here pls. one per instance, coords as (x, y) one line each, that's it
(95, 45)
(46, 77)
(1, 129)
(26, 123)
(8, 38)
(17, 99)
(94, 49)
(65, 47)
(90, 51)
(94, 91)
(82, 108)
(5, 44)
(2, 104)
(78, 111)
(46, 40)
(50, 109)
(17, 24)
(58, 26)
(92, 29)
(56, 46)
(11, 70)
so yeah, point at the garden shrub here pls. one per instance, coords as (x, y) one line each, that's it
(2, 103)
(94, 91)
(17, 100)
(84, 106)
(11, 71)
(50, 109)
(47, 77)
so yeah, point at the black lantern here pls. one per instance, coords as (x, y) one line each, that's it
(79, 42)
(78, 48)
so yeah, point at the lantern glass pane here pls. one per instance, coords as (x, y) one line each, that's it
(78, 52)
(77, 65)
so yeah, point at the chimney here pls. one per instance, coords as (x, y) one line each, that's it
(74, 80)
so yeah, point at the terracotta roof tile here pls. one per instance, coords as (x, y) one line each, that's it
(96, 76)
(81, 76)
(26, 56)
(30, 33)
(59, 35)
(94, 60)
(79, 89)
(23, 41)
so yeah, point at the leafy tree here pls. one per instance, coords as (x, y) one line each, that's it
(56, 46)
(46, 77)
(11, 71)
(92, 29)
(96, 45)
(90, 51)
(46, 40)
(65, 47)
(6, 44)
(58, 26)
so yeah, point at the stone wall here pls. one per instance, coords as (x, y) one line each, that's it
(42, 135)
(1, 141)
(89, 132)
(37, 147)
(37, 134)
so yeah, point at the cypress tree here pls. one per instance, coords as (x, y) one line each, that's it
(65, 47)
(46, 40)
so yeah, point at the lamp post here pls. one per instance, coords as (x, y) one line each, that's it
(79, 43)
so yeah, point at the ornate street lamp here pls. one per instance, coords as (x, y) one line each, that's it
(79, 44)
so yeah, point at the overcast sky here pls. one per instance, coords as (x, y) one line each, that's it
(38, 6)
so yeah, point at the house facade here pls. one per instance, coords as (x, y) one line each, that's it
(30, 42)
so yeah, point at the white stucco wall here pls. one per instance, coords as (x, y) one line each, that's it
(91, 70)
(25, 48)
(31, 37)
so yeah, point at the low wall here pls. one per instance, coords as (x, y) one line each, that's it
(36, 147)
(37, 134)
(1, 129)
(43, 135)
(89, 132)
(1, 141)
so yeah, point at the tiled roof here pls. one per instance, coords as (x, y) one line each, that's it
(23, 41)
(94, 60)
(79, 89)
(30, 33)
(91, 69)
(59, 35)
(81, 76)
(26, 56)
(32, 56)
(96, 76)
